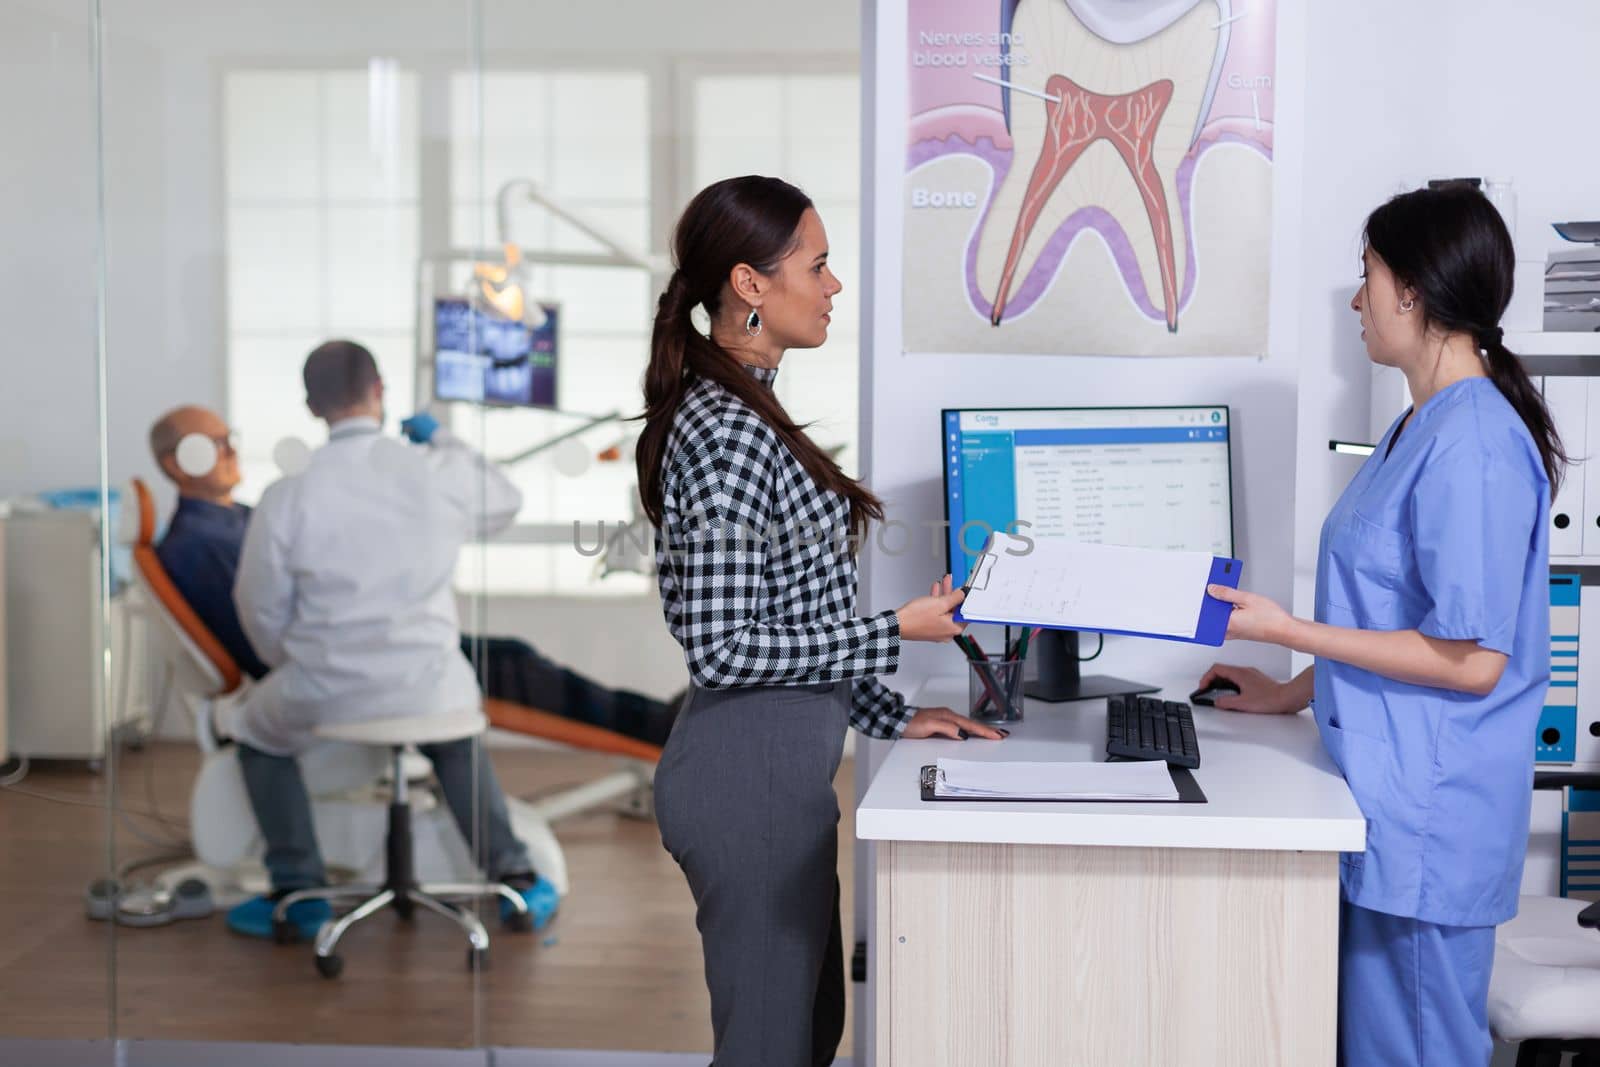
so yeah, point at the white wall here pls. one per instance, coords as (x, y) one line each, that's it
(48, 415)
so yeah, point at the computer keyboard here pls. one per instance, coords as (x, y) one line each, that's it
(1150, 729)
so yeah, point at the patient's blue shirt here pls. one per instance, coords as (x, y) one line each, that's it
(200, 553)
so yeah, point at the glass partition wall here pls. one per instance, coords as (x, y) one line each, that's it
(56, 819)
(293, 180)
(480, 194)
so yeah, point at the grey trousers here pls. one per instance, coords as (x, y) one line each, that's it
(283, 811)
(745, 802)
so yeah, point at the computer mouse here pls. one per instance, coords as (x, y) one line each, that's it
(1208, 695)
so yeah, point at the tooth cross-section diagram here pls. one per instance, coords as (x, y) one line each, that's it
(1089, 175)
(1075, 119)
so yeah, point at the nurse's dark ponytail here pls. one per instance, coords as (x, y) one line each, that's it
(1453, 249)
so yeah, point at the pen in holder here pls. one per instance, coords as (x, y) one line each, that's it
(994, 689)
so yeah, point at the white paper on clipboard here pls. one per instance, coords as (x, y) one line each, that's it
(1087, 587)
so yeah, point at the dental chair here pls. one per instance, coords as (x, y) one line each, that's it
(346, 780)
(1544, 991)
(630, 783)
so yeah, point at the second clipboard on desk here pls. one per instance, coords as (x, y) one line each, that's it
(1111, 589)
(1188, 792)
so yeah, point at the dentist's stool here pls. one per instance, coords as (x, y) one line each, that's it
(400, 889)
(1544, 991)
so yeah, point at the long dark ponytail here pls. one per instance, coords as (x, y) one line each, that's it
(1453, 249)
(750, 220)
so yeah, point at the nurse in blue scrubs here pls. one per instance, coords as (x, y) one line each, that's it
(1431, 637)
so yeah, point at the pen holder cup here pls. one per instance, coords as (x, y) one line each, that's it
(994, 689)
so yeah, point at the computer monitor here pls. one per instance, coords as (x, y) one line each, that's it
(481, 358)
(1148, 477)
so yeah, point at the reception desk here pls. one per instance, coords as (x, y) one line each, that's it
(1076, 934)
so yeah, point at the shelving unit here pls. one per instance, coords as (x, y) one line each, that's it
(1544, 355)
(1554, 344)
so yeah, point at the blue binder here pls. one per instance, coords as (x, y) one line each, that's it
(1210, 629)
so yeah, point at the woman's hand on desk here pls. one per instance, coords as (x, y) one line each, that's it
(1258, 693)
(942, 722)
(931, 617)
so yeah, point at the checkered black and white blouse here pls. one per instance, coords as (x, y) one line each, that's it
(758, 583)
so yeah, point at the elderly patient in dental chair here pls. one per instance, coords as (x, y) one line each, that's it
(334, 596)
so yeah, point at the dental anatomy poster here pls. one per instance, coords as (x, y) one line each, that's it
(1089, 177)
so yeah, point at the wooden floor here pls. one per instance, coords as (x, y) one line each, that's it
(619, 969)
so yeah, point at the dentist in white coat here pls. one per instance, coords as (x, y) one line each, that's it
(344, 589)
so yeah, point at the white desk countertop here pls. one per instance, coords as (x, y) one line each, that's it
(1268, 783)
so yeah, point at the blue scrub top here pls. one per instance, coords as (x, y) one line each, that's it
(1448, 535)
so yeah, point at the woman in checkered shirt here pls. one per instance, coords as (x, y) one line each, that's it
(756, 528)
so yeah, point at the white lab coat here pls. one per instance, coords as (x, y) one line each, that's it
(344, 584)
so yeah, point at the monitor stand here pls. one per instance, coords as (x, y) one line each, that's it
(1056, 652)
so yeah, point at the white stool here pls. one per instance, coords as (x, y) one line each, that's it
(400, 889)
(1545, 988)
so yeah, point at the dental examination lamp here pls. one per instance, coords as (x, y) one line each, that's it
(614, 254)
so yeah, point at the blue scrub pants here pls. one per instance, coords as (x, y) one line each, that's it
(1412, 992)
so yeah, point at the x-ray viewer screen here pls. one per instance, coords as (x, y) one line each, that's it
(482, 358)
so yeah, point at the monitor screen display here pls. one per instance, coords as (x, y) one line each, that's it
(1143, 477)
(482, 358)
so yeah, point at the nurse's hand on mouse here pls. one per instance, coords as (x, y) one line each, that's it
(1254, 617)
(942, 722)
(1258, 692)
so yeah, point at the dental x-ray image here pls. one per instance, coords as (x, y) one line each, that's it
(482, 358)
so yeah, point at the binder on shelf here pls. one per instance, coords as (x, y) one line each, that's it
(1568, 401)
(1587, 474)
(1580, 830)
(1556, 737)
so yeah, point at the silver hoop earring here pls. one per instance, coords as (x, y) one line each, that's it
(752, 324)
(1407, 305)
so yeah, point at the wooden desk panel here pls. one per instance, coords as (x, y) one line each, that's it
(1053, 956)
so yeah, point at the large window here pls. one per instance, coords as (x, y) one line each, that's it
(321, 216)
(343, 223)
(804, 128)
(583, 139)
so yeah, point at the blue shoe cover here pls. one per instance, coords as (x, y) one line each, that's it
(253, 918)
(542, 900)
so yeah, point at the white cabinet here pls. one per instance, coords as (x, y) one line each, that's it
(54, 650)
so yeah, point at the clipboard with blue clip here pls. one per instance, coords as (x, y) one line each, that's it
(1133, 592)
